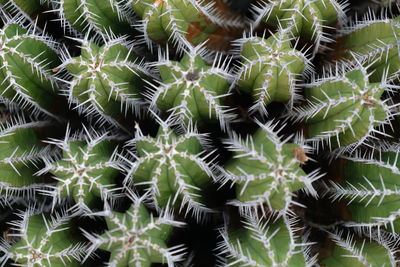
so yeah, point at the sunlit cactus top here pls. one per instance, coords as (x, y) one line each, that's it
(86, 170)
(266, 170)
(172, 169)
(136, 238)
(106, 80)
(270, 69)
(39, 240)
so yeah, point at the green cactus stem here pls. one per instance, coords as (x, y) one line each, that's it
(270, 69)
(86, 171)
(371, 189)
(21, 155)
(374, 40)
(40, 240)
(186, 22)
(136, 238)
(100, 18)
(172, 169)
(267, 170)
(305, 18)
(22, 8)
(191, 90)
(26, 61)
(344, 109)
(106, 80)
(265, 242)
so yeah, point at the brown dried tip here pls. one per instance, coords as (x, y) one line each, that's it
(300, 155)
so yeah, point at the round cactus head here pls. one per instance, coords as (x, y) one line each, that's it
(172, 169)
(266, 170)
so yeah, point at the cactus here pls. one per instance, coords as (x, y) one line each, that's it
(371, 189)
(375, 41)
(191, 90)
(263, 242)
(100, 18)
(172, 169)
(41, 240)
(269, 70)
(136, 237)
(21, 156)
(86, 171)
(105, 80)
(305, 18)
(344, 110)
(267, 170)
(185, 22)
(24, 9)
(26, 60)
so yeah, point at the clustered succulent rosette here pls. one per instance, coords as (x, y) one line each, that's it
(199, 133)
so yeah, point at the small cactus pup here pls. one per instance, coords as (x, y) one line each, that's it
(266, 170)
(344, 110)
(171, 168)
(371, 189)
(265, 242)
(185, 22)
(42, 240)
(349, 250)
(21, 156)
(105, 80)
(86, 171)
(26, 60)
(375, 41)
(191, 90)
(99, 18)
(306, 18)
(136, 237)
(269, 70)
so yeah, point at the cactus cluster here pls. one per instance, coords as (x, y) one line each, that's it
(199, 133)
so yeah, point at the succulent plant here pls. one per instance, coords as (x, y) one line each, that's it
(263, 242)
(136, 238)
(106, 80)
(39, 240)
(21, 8)
(191, 90)
(270, 69)
(185, 22)
(344, 109)
(96, 17)
(26, 59)
(87, 170)
(266, 170)
(171, 168)
(375, 41)
(306, 18)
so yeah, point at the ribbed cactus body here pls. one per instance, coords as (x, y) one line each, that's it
(43, 241)
(26, 61)
(264, 243)
(305, 18)
(106, 80)
(98, 17)
(172, 169)
(21, 155)
(136, 238)
(86, 171)
(185, 21)
(192, 91)
(376, 41)
(371, 189)
(23, 7)
(345, 110)
(266, 170)
(269, 70)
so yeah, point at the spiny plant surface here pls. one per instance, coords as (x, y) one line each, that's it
(199, 133)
